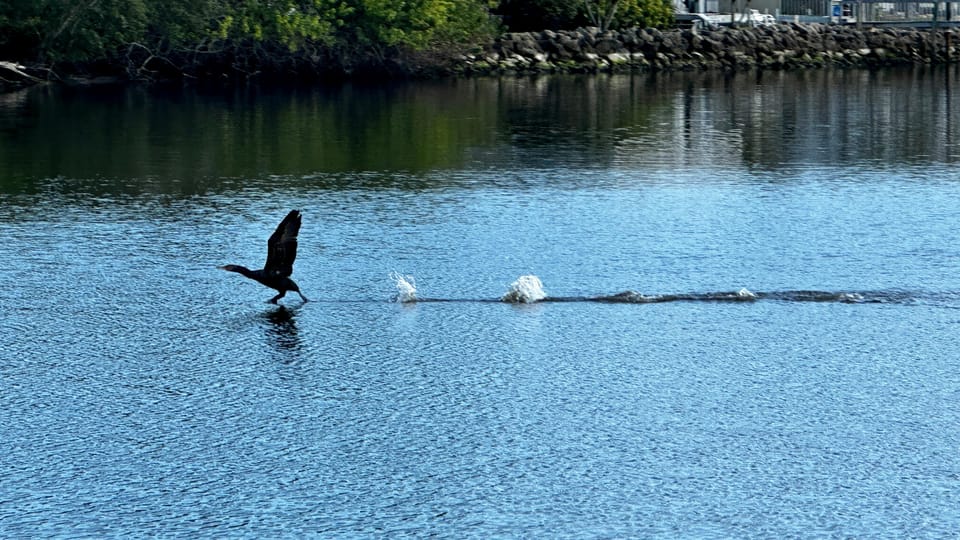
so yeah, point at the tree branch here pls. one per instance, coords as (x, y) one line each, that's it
(17, 70)
(77, 9)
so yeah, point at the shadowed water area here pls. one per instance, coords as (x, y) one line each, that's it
(683, 305)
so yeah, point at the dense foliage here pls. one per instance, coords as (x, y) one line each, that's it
(146, 38)
(527, 15)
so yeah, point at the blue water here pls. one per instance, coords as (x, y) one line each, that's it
(144, 392)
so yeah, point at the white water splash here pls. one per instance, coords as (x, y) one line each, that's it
(746, 294)
(525, 290)
(406, 288)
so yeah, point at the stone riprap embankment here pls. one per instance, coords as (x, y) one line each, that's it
(779, 46)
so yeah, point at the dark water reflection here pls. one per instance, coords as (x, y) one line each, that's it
(187, 142)
(282, 329)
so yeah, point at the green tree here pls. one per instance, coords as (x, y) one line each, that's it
(69, 31)
(535, 15)
(291, 23)
(183, 24)
(147, 36)
(607, 14)
(527, 15)
(645, 14)
(420, 24)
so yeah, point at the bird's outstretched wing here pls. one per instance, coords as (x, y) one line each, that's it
(282, 246)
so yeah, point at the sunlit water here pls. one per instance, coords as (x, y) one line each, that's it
(686, 306)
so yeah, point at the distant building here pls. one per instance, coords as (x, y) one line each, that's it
(821, 11)
(698, 6)
(818, 8)
(763, 6)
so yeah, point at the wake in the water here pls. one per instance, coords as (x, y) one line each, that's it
(406, 287)
(525, 290)
(528, 289)
(743, 295)
(634, 297)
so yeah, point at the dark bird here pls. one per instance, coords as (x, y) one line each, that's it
(281, 252)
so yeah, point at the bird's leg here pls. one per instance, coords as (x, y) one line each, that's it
(304, 298)
(277, 297)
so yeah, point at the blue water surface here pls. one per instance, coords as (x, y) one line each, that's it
(143, 392)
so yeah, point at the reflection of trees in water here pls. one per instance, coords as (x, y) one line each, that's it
(187, 141)
(843, 116)
(183, 142)
(581, 117)
(772, 119)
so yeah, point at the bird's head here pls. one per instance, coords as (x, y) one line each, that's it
(230, 268)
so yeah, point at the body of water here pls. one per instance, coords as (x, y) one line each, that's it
(732, 309)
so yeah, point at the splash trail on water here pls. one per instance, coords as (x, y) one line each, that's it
(528, 289)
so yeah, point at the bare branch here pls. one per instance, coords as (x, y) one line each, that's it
(17, 70)
(601, 13)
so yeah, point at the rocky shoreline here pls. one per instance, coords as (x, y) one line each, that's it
(587, 50)
(778, 46)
